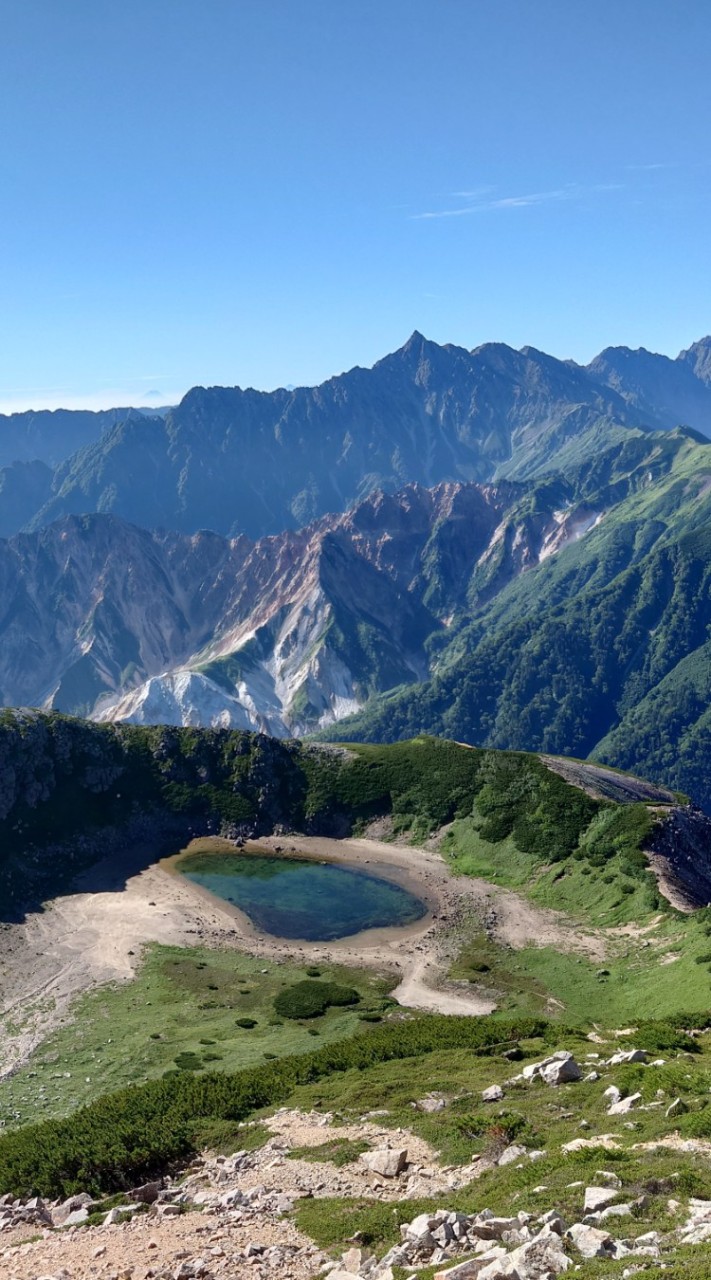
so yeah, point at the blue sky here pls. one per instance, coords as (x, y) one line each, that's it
(269, 191)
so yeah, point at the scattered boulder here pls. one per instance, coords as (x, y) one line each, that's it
(624, 1105)
(147, 1194)
(511, 1154)
(598, 1198)
(433, 1103)
(384, 1162)
(591, 1242)
(353, 1259)
(559, 1068)
(608, 1141)
(76, 1218)
(627, 1055)
(493, 1094)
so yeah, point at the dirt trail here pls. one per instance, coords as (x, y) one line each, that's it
(415, 992)
(84, 939)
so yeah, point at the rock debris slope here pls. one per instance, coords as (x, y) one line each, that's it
(285, 634)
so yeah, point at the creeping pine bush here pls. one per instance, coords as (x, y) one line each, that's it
(311, 999)
(141, 1132)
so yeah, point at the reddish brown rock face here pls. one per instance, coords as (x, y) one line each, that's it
(282, 634)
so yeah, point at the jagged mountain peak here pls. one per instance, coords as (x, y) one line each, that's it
(698, 357)
(256, 462)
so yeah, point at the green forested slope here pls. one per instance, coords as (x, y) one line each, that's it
(598, 651)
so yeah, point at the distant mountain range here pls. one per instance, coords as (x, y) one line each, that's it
(493, 545)
(256, 462)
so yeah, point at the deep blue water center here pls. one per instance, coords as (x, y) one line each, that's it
(298, 898)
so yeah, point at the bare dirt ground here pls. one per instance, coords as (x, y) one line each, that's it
(91, 937)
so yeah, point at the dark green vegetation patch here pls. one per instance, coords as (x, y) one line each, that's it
(311, 999)
(140, 1132)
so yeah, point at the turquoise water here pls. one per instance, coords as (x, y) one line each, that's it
(294, 898)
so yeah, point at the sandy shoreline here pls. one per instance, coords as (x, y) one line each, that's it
(90, 937)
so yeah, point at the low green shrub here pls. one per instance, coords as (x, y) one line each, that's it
(141, 1132)
(310, 999)
(188, 1062)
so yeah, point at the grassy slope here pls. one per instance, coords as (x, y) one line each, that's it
(657, 962)
(182, 1001)
(514, 822)
(536, 1115)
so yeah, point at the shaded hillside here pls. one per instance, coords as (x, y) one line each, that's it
(670, 391)
(283, 634)
(51, 435)
(246, 461)
(291, 632)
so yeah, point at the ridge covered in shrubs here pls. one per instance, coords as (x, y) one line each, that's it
(72, 790)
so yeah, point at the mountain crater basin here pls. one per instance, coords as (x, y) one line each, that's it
(299, 897)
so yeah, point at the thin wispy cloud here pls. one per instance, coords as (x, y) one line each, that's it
(486, 201)
(649, 168)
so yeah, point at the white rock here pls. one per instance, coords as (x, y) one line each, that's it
(493, 1094)
(543, 1256)
(559, 1068)
(591, 1242)
(628, 1055)
(622, 1107)
(598, 1198)
(553, 1220)
(76, 1218)
(511, 1154)
(612, 1211)
(386, 1163)
(606, 1140)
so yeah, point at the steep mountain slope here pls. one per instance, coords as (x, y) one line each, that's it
(669, 391)
(255, 462)
(51, 435)
(291, 633)
(600, 651)
(287, 632)
(24, 486)
(245, 461)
